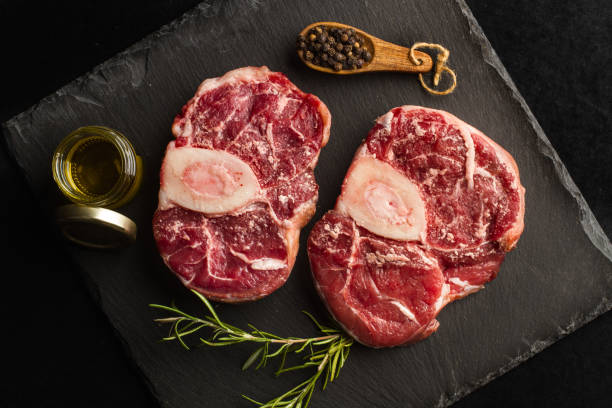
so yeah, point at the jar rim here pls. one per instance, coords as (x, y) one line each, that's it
(127, 175)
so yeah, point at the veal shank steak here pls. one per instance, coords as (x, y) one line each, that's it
(428, 209)
(237, 184)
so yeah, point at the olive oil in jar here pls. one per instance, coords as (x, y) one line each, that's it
(97, 166)
(94, 166)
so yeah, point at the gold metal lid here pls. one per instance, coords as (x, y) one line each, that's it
(95, 227)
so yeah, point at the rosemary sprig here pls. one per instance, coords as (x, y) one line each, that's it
(326, 354)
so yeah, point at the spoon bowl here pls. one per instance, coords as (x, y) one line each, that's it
(386, 56)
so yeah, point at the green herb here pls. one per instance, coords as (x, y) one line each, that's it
(325, 354)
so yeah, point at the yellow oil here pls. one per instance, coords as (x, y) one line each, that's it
(94, 166)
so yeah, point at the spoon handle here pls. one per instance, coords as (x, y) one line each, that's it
(393, 57)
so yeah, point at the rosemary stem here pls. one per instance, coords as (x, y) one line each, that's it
(298, 341)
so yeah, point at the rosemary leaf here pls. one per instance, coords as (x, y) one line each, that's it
(321, 342)
(334, 364)
(306, 343)
(282, 363)
(177, 334)
(279, 350)
(262, 362)
(252, 359)
(251, 400)
(210, 308)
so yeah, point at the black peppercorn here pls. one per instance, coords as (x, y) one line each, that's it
(333, 47)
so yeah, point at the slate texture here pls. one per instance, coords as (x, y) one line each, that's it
(558, 278)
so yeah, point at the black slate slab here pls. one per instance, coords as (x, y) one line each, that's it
(558, 278)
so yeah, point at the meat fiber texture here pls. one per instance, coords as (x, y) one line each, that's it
(237, 184)
(427, 212)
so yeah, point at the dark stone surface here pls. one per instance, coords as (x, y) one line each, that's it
(554, 315)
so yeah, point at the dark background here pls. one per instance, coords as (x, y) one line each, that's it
(59, 349)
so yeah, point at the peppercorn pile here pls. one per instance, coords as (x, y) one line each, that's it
(334, 47)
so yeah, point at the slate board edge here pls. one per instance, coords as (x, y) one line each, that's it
(588, 221)
(604, 306)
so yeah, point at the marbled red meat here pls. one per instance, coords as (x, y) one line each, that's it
(428, 210)
(237, 184)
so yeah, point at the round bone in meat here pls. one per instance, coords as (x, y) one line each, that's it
(208, 181)
(382, 200)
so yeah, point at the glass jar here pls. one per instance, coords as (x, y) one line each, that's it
(97, 166)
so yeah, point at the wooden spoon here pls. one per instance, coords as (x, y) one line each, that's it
(386, 56)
